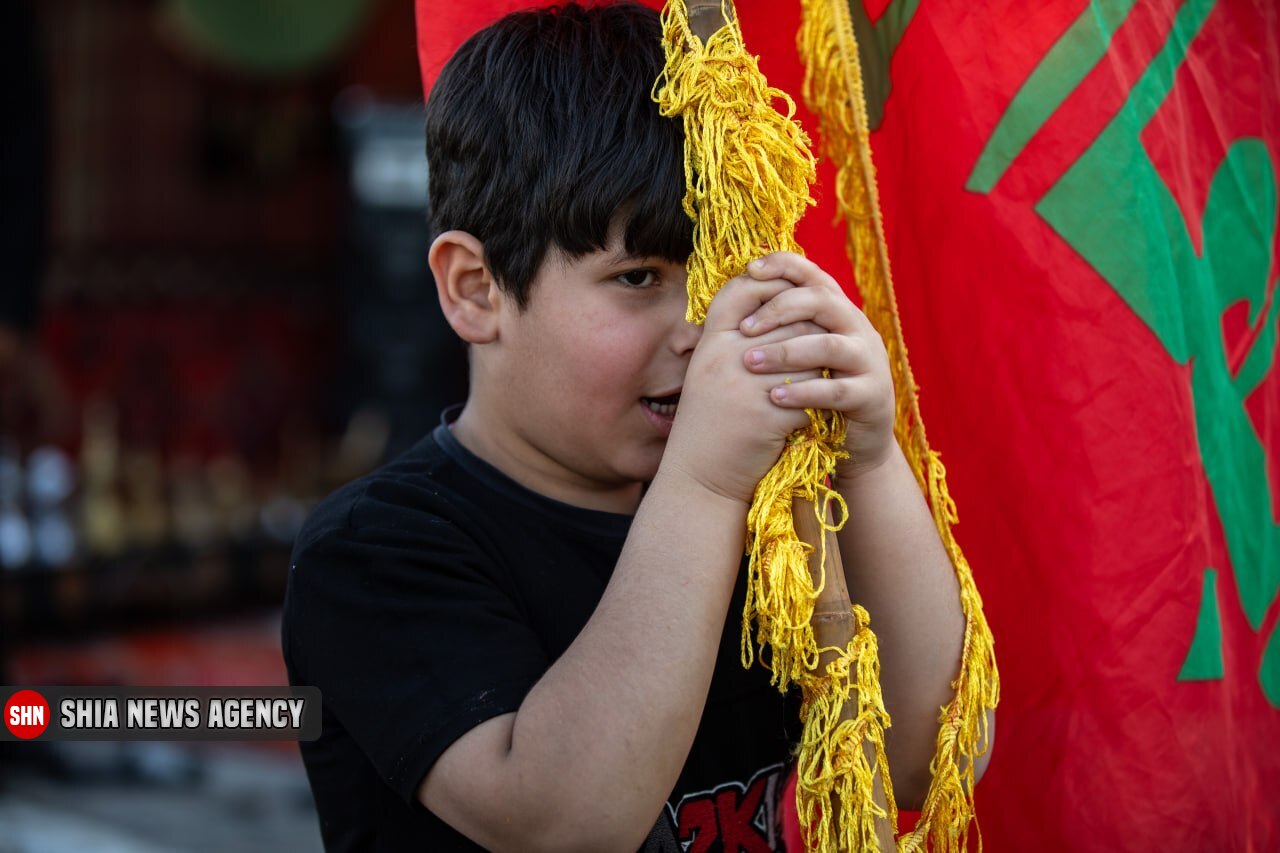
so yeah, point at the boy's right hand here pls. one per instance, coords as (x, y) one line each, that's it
(728, 432)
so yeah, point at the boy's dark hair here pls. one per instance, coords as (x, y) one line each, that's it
(541, 131)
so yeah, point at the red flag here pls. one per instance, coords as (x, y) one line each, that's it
(1081, 209)
(1080, 203)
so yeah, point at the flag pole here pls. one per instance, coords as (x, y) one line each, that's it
(833, 622)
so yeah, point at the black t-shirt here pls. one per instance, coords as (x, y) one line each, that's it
(430, 596)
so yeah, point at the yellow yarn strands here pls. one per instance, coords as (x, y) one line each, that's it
(833, 90)
(747, 167)
(748, 170)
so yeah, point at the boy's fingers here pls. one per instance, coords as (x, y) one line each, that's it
(796, 269)
(738, 298)
(846, 394)
(792, 379)
(828, 307)
(791, 330)
(846, 354)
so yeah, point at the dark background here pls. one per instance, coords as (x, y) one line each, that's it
(216, 309)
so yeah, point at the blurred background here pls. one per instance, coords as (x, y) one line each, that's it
(215, 309)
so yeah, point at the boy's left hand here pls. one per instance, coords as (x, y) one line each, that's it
(860, 384)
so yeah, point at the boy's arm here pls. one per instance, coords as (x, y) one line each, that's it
(597, 745)
(600, 740)
(898, 570)
(895, 563)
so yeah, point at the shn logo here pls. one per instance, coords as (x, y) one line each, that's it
(26, 714)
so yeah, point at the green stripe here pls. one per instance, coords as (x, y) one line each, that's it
(1114, 209)
(893, 23)
(876, 44)
(1074, 55)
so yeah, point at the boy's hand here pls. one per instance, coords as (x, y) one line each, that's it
(860, 383)
(728, 432)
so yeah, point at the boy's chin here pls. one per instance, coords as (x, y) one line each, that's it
(644, 469)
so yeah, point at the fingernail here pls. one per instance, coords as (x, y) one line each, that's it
(779, 393)
(758, 265)
(750, 322)
(756, 356)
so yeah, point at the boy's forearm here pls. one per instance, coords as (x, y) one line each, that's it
(613, 720)
(898, 570)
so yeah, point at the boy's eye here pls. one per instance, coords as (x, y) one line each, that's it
(638, 278)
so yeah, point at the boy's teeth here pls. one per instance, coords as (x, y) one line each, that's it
(668, 409)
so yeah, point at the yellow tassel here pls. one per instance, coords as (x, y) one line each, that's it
(834, 766)
(833, 89)
(748, 169)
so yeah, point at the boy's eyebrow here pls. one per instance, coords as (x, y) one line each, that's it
(622, 256)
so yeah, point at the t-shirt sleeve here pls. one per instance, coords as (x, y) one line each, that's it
(403, 623)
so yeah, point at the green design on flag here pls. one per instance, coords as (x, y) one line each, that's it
(1204, 660)
(1113, 208)
(1081, 47)
(876, 44)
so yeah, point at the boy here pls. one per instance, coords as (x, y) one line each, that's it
(526, 628)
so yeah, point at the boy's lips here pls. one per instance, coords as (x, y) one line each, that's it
(664, 403)
(661, 409)
(674, 392)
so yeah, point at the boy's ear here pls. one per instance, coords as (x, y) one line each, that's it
(469, 295)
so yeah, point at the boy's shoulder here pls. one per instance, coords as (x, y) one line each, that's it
(437, 491)
(438, 516)
(417, 488)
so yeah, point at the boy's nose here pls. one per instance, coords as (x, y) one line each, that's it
(685, 336)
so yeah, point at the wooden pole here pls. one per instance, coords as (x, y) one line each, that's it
(707, 16)
(832, 621)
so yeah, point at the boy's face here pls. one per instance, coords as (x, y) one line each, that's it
(577, 371)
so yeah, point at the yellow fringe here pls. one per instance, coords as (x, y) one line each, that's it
(833, 90)
(748, 169)
(833, 766)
